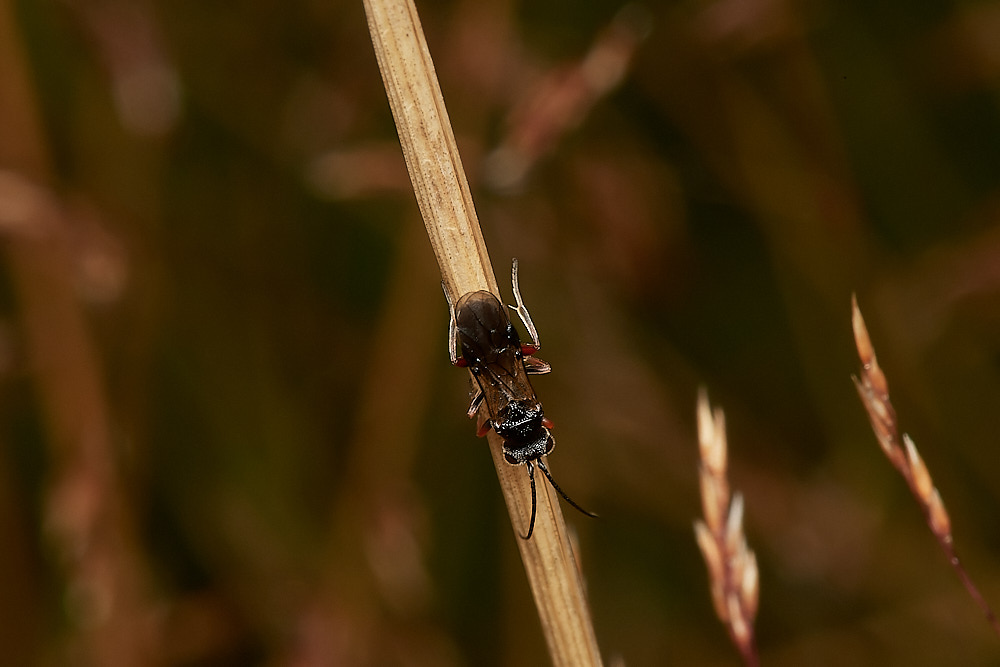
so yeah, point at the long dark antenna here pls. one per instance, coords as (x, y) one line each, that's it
(555, 486)
(548, 476)
(531, 478)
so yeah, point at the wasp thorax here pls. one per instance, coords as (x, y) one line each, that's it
(519, 420)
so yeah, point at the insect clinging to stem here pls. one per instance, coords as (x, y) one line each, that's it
(492, 350)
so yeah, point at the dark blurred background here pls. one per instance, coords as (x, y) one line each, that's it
(229, 432)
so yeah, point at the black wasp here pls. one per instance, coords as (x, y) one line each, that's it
(492, 351)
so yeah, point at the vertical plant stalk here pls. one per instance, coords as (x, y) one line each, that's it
(873, 388)
(86, 515)
(446, 206)
(732, 566)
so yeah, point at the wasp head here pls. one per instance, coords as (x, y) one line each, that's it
(521, 425)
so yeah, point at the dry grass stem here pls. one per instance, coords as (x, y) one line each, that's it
(445, 202)
(732, 567)
(873, 388)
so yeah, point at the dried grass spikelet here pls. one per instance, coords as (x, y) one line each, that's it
(732, 566)
(873, 388)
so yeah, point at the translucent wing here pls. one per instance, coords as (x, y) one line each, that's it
(491, 348)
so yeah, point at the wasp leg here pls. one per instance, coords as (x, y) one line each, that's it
(477, 400)
(535, 366)
(522, 312)
(452, 330)
(485, 428)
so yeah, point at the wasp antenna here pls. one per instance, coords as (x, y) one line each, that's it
(562, 493)
(531, 524)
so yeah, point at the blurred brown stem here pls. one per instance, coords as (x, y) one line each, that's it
(445, 202)
(85, 514)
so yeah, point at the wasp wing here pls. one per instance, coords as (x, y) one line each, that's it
(492, 350)
(503, 380)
